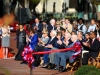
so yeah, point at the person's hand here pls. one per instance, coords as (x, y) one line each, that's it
(66, 42)
(29, 39)
(84, 43)
(36, 27)
(59, 42)
(39, 39)
(49, 46)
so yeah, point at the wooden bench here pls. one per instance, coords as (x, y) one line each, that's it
(94, 62)
(75, 65)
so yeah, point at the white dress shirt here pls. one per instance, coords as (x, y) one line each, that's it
(84, 29)
(92, 28)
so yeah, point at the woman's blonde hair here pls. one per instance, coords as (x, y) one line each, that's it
(45, 31)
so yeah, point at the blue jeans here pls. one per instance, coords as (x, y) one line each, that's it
(63, 56)
(46, 56)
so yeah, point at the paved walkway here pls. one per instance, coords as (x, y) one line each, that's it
(12, 67)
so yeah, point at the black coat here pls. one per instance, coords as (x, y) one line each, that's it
(53, 42)
(98, 31)
(94, 48)
(40, 29)
(49, 28)
(24, 37)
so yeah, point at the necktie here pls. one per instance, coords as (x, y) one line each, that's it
(92, 41)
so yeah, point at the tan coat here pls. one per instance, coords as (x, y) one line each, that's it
(68, 28)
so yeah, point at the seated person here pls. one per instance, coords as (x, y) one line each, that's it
(52, 55)
(85, 41)
(40, 47)
(33, 39)
(66, 55)
(42, 41)
(93, 48)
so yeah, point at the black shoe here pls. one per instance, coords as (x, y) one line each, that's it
(36, 64)
(56, 68)
(61, 69)
(52, 66)
(23, 62)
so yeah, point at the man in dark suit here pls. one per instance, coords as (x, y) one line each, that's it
(38, 27)
(51, 26)
(93, 48)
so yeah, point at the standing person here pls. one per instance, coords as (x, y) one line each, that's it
(51, 26)
(92, 27)
(58, 27)
(67, 26)
(97, 30)
(38, 27)
(21, 41)
(44, 25)
(1, 51)
(5, 40)
(81, 26)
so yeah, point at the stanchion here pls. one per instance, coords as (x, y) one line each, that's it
(31, 73)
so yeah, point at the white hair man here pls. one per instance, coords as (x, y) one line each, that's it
(67, 54)
(51, 26)
(51, 43)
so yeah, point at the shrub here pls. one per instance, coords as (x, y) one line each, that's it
(87, 70)
(93, 73)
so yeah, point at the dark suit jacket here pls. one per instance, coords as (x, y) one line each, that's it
(53, 42)
(40, 29)
(98, 31)
(49, 28)
(24, 37)
(94, 48)
(64, 46)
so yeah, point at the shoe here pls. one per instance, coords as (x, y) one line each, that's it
(52, 66)
(45, 66)
(61, 69)
(23, 62)
(56, 68)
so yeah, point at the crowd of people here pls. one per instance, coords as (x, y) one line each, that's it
(58, 35)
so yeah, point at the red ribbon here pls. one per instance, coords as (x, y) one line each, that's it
(57, 50)
(27, 53)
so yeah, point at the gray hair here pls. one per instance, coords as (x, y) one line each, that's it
(52, 20)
